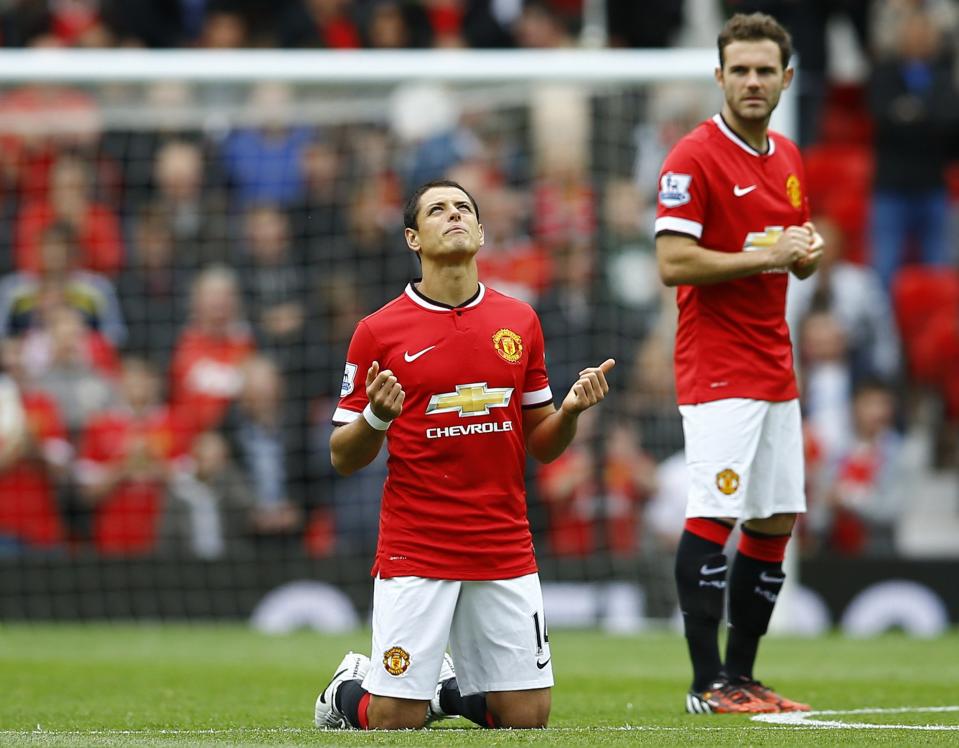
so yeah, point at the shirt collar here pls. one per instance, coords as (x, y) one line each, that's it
(728, 132)
(438, 306)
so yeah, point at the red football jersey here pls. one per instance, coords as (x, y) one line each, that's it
(28, 502)
(126, 521)
(732, 339)
(454, 502)
(206, 375)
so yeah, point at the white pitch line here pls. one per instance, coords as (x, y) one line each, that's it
(805, 719)
(41, 732)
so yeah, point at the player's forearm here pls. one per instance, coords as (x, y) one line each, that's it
(692, 265)
(551, 436)
(354, 446)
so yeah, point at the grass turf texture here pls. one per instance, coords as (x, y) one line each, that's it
(112, 685)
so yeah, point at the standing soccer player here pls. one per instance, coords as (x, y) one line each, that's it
(452, 375)
(732, 222)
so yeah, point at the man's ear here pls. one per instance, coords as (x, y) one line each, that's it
(788, 77)
(412, 239)
(482, 234)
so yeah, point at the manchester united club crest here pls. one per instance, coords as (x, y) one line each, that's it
(396, 660)
(727, 481)
(508, 345)
(794, 191)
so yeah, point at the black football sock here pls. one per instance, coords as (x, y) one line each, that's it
(347, 700)
(473, 707)
(754, 586)
(701, 587)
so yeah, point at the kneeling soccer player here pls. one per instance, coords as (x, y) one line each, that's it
(455, 383)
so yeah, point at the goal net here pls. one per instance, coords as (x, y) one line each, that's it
(188, 240)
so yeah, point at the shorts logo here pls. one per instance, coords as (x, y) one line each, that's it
(794, 191)
(674, 189)
(727, 481)
(508, 345)
(396, 660)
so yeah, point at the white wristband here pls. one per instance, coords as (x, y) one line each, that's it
(375, 421)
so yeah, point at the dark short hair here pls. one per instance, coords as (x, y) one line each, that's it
(755, 27)
(413, 204)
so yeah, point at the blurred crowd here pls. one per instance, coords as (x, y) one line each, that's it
(325, 24)
(176, 301)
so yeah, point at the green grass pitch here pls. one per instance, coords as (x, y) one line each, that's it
(113, 685)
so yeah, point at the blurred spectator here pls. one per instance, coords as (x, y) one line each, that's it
(855, 296)
(826, 381)
(510, 261)
(627, 249)
(172, 108)
(206, 373)
(264, 163)
(58, 276)
(265, 435)
(156, 23)
(377, 257)
(71, 202)
(71, 364)
(336, 304)
(915, 104)
(355, 498)
(541, 26)
(580, 321)
(650, 398)
(319, 219)
(124, 461)
(208, 511)
(866, 484)
(153, 288)
(224, 28)
(56, 23)
(34, 458)
(595, 490)
(274, 285)
(199, 213)
(319, 23)
(643, 25)
(37, 123)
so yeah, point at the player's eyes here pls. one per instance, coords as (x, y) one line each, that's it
(465, 206)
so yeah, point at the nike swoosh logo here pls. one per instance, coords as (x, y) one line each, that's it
(541, 665)
(335, 676)
(764, 577)
(411, 357)
(740, 191)
(706, 570)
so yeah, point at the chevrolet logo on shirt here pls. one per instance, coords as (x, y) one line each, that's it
(470, 400)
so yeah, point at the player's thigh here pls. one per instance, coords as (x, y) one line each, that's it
(499, 637)
(411, 628)
(520, 709)
(721, 442)
(776, 485)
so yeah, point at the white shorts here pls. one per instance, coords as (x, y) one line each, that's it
(496, 632)
(745, 458)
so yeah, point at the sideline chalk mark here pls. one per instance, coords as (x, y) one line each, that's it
(806, 719)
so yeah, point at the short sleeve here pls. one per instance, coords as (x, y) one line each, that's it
(682, 195)
(361, 355)
(536, 391)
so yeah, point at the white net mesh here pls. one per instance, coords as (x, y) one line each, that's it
(228, 230)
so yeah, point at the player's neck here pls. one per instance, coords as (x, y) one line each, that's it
(753, 132)
(449, 284)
